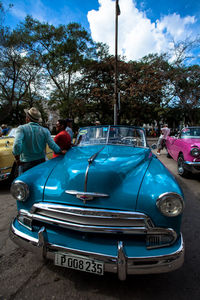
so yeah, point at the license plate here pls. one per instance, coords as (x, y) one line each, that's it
(79, 263)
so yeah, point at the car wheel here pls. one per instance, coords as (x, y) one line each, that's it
(181, 169)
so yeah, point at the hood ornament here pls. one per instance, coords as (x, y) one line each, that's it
(86, 196)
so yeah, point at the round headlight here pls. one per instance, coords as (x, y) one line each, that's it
(170, 204)
(19, 190)
(195, 152)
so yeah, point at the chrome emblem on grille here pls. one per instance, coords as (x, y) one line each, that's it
(84, 197)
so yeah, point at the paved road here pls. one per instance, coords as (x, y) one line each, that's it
(23, 276)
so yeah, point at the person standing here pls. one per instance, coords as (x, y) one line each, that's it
(97, 123)
(4, 129)
(69, 128)
(30, 142)
(165, 131)
(62, 139)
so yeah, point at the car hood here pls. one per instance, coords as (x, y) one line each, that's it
(116, 171)
(192, 142)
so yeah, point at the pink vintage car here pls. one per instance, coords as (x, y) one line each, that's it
(185, 149)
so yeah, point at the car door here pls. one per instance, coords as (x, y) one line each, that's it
(177, 146)
(171, 145)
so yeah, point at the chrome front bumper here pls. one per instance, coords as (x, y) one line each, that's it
(4, 175)
(192, 166)
(120, 264)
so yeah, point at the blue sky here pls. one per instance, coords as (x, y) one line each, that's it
(148, 26)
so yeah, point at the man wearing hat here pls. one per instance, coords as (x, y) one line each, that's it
(30, 142)
(165, 131)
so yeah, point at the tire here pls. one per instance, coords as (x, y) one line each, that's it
(180, 165)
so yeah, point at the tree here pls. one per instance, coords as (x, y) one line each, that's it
(62, 51)
(145, 89)
(186, 81)
(142, 85)
(94, 92)
(186, 52)
(18, 73)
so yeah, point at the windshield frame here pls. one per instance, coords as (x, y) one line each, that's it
(190, 129)
(106, 140)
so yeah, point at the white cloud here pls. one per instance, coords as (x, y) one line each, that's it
(176, 26)
(137, 35)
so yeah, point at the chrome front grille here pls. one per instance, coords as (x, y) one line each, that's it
(93, 220)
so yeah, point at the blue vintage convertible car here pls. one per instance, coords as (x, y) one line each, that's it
(108, 205)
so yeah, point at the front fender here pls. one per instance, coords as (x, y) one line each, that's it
(36, 178)
(158, 180)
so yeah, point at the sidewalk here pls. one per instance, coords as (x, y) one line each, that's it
(152, 140)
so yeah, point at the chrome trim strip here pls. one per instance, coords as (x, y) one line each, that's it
(4, 176)
(191, 166)
(134, 265)
(90, 228)
(95, 212)
(190, 163)
(86, 178)
(90, 161)
(23, 236)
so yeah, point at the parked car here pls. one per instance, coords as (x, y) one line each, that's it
(7, 163)
(185, 149)
(108, 205)
(8, 168)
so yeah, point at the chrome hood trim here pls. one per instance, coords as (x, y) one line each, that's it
(90, 161)
(86, 196)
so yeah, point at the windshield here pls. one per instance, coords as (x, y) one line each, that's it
(190, 132)
(118, 135)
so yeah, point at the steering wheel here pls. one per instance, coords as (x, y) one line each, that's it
(129, 140)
